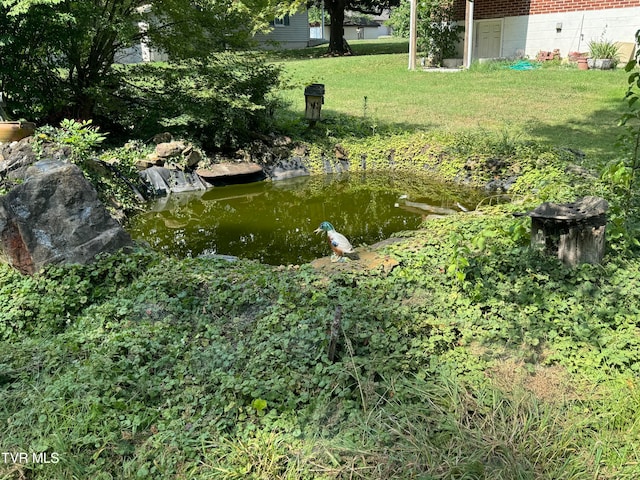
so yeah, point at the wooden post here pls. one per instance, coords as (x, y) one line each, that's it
(574, 232)
(314, 98)
(413, 33)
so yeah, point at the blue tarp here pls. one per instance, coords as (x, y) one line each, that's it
(524, 65)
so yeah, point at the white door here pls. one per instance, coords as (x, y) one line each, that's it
(488, 41)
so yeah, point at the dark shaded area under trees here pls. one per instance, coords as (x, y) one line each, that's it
(58, 62)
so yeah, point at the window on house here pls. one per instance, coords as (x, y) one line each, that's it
(281, 22)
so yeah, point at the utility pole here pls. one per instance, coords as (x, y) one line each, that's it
(413, 22)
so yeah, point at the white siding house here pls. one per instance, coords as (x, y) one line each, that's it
(568, 31)
(516, 28)
(362, 27)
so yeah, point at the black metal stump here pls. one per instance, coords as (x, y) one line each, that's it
(574, 232)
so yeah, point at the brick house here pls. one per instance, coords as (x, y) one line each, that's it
(513, 28)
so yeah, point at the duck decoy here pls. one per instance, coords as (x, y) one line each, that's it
(339, 243)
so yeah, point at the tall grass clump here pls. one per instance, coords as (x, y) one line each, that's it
(605, 49)
(440, 428)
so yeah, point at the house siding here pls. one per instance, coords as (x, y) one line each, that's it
(294, 35)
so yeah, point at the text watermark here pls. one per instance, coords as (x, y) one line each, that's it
(29, 457)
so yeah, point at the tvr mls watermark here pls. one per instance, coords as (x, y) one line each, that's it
(26, 457)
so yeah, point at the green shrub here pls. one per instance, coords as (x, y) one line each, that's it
(219, 103)
(621, 175)
(113, 174)
(46, 303)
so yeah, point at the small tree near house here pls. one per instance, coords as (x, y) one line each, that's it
(438, 33)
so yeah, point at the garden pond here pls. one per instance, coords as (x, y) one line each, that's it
(273, 222)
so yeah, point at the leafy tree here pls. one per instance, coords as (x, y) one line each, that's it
(58, 55)
(399, 20)
(336, 10)
(438, 33)
(315, 14)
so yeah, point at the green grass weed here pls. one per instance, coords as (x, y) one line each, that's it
(563, 107)
(506, 366)
(205, 369)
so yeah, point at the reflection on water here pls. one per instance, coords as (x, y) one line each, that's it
(273, 222)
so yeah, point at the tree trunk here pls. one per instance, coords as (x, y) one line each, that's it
(91, 74)
(337, 44)
(573, 232)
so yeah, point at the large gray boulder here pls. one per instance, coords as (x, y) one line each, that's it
(55, 217)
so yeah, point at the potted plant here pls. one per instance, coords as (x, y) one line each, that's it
(10, 131)
(603, 54)
(580, 59)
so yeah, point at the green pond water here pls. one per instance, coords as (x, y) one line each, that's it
(273, 222)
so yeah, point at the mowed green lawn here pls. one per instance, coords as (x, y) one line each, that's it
(558, 105)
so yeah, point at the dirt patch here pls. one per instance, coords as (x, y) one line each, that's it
(547, 383)
(368, 261)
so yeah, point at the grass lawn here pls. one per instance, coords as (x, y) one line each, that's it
(559, 105)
